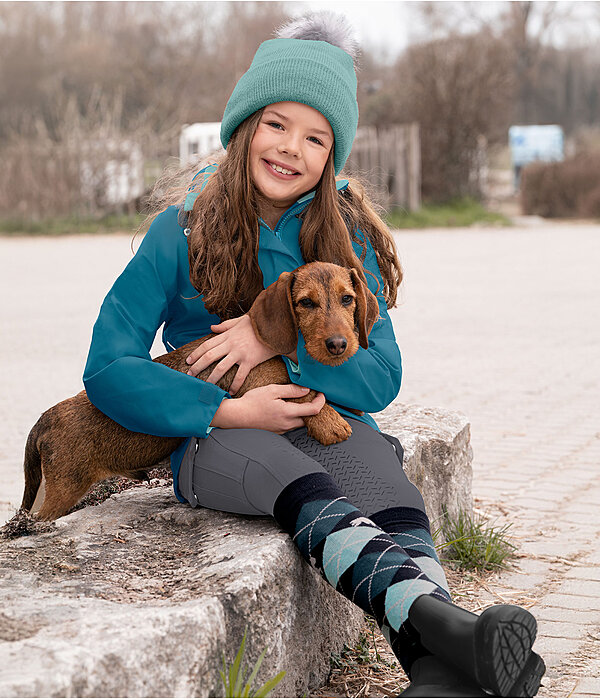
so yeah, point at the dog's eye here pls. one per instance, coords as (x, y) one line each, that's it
(347, 299)
(306, 302)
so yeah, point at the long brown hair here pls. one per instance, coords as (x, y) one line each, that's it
(225, 231)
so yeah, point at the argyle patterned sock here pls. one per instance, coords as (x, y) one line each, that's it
(352, 553)
(409, 528)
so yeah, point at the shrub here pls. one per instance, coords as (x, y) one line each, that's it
(570, 188)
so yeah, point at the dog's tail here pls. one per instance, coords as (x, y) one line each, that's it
(32, 466)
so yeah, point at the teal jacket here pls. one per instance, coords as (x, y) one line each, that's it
(155, 289)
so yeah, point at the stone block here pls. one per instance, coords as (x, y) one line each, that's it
(521, 581)
(555, 645)
(560, 614)
(437, 455)
(587, 686)
(584, 587)
(141, 595)
(564, 630)
(572, 602)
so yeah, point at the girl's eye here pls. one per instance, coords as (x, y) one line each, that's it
(277, 124)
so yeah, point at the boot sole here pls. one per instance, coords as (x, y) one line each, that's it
(528, 683)
(504, 635)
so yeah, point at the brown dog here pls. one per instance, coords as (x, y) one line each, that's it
(74, 445)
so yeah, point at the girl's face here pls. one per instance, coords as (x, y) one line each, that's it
(297, 138)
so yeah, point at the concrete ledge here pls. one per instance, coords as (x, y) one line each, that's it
(140, 595)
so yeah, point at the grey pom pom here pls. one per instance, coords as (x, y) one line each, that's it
(326, 26)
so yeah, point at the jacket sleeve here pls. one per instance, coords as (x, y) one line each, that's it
(369, 380)
(119, 377)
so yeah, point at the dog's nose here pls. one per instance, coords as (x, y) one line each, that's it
(336, 344)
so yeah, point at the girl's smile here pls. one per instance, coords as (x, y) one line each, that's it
(280, 170)
(288, 153)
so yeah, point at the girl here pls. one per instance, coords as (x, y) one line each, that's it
(271, 204)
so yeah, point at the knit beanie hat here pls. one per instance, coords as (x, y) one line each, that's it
(313, 62)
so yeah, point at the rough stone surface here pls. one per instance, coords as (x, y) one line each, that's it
(140, 595)
(437, 455)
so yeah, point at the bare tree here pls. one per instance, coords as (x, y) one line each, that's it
(459, 90)
(153, 66)
(77, 74)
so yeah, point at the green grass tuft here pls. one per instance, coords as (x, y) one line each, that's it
(234, 681)
(458, 212)
(470, 543)
(60, 226)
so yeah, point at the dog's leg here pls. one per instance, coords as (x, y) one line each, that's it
(39, 497)
(328, 427)
(64, 493)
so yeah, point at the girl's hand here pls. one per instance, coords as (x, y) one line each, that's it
(236, 344)
(265, 408)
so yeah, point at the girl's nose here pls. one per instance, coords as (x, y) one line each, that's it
(290, 146)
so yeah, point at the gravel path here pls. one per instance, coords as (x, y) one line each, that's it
(501, 324)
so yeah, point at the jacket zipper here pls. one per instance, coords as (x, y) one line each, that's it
(283, 221)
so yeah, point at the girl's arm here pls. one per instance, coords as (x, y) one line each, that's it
(119, 377)
(370, 380)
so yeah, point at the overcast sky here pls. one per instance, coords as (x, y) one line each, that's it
(386, 28)
(382, 27)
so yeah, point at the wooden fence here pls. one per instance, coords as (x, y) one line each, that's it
(390, 160)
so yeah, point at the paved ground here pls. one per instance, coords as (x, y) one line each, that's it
(51, 290)
(501, 324)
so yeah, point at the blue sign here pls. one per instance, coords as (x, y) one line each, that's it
(534, 143)
(531, 143)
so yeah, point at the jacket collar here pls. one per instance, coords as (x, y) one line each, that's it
(339, 185)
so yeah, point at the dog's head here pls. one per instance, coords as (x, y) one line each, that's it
(330, 304)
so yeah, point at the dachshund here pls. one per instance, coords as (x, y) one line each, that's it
(74, 445)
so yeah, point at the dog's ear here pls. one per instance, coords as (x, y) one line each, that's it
(273, 317)
(367, 309)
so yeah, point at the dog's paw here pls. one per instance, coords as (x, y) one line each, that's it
(328, 427)
(338, 434)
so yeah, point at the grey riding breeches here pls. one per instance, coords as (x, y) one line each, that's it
(243, 470)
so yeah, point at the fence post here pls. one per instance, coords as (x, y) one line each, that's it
(391, 159)
(414, 160)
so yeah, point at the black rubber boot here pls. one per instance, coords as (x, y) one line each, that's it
(493, 649)
(430, 677)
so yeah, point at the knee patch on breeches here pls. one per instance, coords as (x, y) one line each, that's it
(241, 470)
(367, 467)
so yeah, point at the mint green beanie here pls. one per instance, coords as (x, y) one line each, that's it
(315, 73)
